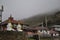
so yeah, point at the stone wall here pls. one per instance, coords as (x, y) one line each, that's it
(12, 35)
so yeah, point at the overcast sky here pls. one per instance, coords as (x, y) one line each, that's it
(26, 8)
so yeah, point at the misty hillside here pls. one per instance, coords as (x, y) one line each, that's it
(52, 18)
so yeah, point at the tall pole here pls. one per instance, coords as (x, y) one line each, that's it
(46, 20)
(42, 24)
(1, 10)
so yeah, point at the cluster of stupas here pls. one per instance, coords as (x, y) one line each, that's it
(11, 25)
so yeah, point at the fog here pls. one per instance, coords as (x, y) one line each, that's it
(21, 9)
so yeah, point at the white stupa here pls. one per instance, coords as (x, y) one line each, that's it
(9, 27)
(19, 27)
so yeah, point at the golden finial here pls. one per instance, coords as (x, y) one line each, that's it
(10, 15)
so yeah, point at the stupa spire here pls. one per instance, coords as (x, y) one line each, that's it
(10, 18)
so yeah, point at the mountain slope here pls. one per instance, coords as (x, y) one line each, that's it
(37, 19)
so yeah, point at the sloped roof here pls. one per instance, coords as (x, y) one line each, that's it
(56, 26)
(10, 19)
(53, 32)
(36, 28)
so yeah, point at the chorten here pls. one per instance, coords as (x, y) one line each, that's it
(19, 27)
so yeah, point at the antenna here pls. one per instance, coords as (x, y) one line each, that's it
(2, 7)
(1, 10)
